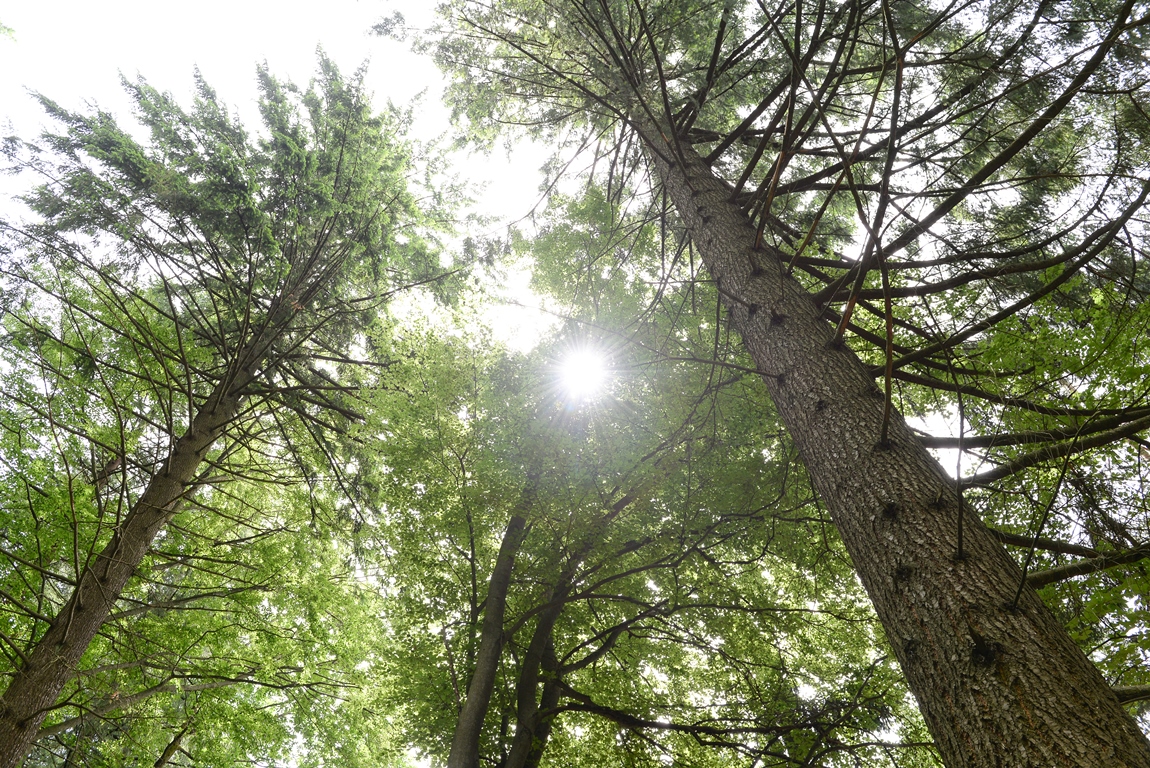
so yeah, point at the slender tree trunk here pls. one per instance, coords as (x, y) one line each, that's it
(37, 685)
(538, 652)
(543, 716)
(170, 750)
(999, 681)
(469, 725)
(533, 725)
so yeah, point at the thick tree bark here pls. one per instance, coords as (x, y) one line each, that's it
(999, 682)
(469, 725)
(37, 685)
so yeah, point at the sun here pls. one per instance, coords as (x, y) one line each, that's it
(583, 373)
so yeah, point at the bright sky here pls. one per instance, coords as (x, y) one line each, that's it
(73, 51)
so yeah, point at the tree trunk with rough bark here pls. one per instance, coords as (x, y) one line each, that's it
(998, 680)
(37, 685)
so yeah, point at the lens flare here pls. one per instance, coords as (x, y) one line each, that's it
(583, 373)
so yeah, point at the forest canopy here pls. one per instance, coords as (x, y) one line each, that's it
(255, 512)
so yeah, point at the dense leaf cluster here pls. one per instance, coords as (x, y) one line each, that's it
(402, 543)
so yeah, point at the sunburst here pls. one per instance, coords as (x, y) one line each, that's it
(583, 374)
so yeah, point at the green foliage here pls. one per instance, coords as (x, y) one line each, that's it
(161, 265)
(962, 191)
(319, 598)
(701, 586)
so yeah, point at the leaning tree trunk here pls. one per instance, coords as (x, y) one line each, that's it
(998, 683)
(37, 685)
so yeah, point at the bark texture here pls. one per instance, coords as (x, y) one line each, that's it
(37, 685)
(998, 684)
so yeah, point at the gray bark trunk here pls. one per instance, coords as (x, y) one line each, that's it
(997, 685)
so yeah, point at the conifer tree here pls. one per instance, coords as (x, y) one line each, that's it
(177, 315)
(930, 196)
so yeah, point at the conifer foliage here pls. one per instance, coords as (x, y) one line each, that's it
(178, 316)
(945, 199)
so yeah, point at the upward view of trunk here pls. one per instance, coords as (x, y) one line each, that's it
(999, 681)
(36, 686)
(188, 304)
(531, 730)
(469, 725)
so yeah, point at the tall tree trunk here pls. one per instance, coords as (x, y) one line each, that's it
(999, 683)
(37, 685)
(528, 710)
(469, 725)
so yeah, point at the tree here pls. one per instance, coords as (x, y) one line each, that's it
(178, 318)
(589, 570)
(247, 633)
(951, 189)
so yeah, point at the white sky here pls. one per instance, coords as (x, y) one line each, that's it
(74, 51)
